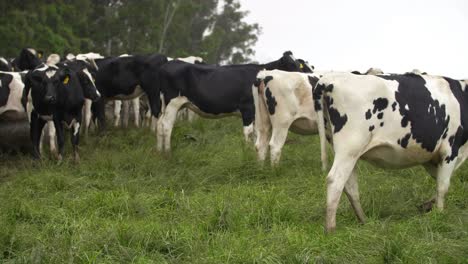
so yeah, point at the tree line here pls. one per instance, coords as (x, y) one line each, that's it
(212, 29)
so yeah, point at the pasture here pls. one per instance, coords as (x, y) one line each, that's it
(211, 202)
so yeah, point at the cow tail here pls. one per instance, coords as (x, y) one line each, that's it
(318, 96)
(260, 105)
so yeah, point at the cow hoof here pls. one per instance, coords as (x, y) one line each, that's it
(76, 159)
(426, 207)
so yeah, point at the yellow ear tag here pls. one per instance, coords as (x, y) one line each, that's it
(65, 81)
(39, 55)
(301, 66)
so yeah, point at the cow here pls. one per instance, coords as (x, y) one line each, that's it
(211, 91)
(126, 78)
(58, 95)
(283, 102)
(11, 91)
(28, 59)
(392, 121)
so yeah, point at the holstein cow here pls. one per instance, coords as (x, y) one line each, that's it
(394, 121)
(11, 91)
(57, 95)
(125, 78)
(211, 91)
(283, 102)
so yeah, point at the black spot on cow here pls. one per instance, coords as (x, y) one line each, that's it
(368, 114)
(456, 141)
(371, 128)
(414, 100)
(380, 116)
(337, 120)
(380, 104)
(356, 72)
(405, 140)
(257, 82)
(318, 93)
(5, 88)
(271, 101)
(461, 136)
(394, 106)
(267, 79)
(382, 124)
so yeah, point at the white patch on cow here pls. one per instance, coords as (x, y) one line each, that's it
(70, 57)
(76, 127)
(53, 59)
(4, 60)
(90, 77)
(407, 107)
(13, 109)
(33, 51)
(191, 59)
(89, 56)
(50, 73)
(248, 130)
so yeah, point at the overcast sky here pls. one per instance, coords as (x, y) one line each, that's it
(394, 35)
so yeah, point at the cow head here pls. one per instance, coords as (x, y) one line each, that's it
(28, 59)
(43, 83)
(305, 66)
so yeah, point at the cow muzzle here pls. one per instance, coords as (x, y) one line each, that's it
(50, 99)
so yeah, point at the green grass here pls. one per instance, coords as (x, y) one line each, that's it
(211, 202)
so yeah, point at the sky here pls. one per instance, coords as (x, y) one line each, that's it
(394, 35)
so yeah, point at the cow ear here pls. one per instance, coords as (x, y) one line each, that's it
(65, 76)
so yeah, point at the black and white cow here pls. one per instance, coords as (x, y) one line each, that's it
(393, 121)
(126, 78)
(58, 95)
(211, 91)
(28, 59)
(11, 91)
(283, 102)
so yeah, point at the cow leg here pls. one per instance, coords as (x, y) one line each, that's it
(117, 109)
(339, 174)
(352, 191)
(75, 140)
(444, 173)
(166, 123)
(248, 131)
(278, 138)
(60, 138)
(52, 138)
(126, 113)
(87, 116)
(37, 124)
(427, 205)
(136, 111)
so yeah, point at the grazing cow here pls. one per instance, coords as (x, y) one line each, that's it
(28, 59)
(211, 91)
(393, 121)
(125, 78)
(11, 91)
(5, 65)
(283, 102)
(57, 95)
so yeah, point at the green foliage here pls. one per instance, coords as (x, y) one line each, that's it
(113, 27)
(211, 202)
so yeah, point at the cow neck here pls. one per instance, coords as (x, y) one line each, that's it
(274, 65)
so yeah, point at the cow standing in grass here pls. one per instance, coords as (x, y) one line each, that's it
(58, 96)
(211, 91)
(393, 121)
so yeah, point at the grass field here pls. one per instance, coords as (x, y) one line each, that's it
(211, 202)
